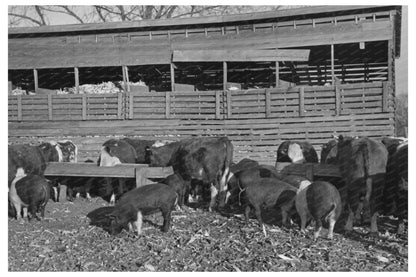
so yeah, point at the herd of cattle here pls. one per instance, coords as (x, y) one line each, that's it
(373, 181)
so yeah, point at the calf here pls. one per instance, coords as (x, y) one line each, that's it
(30, 193)
(270, 193)
(176, 182)
(143, 201)
(321, 201)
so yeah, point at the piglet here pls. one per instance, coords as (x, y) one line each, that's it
(29, 193)
(136, 203)
(321, 201)
(270, 193)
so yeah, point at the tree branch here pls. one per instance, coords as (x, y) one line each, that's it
(26, 17)
(38, 10)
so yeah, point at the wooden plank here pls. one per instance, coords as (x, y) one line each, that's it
(229, 104)
(277, 73)
(240, 55)
(301, 101)
(172, 77)
(76, 75)
(120, 106)
(268, 112)
(337, 100)
(19, 108)
(390, 60)
(309, 170)
(385, 97)
(217, 105)
(224, 74)
(126, 69)
(36, 79)
(9, 83)
(123, 71)
(84, 107)
(50, 107)
(167, 105)
(332, 65)
(131, 105)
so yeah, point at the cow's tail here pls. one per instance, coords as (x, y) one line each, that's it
(366, 167)
(330, 213)
(226, 167)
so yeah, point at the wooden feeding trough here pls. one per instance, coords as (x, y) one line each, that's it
(141, 172)
(309, 170)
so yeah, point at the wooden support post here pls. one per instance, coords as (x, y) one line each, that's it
(124, 78)
(76, 74)
(267, 96)
(385, 96)
(301, 101)
(337, 100)
(332, 65)
(19, 108)
(35, 77)
(141, 177)
(50, 107)
(277, 73)
(217, 105)
(224, 68)
(390, 61)
(10, 87)
(172, 77)
(131, 106)
(167, 103)
(126, 69)
(84, 107)
(229, 107)
(120, 105)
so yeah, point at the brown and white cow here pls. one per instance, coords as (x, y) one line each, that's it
(296, 152)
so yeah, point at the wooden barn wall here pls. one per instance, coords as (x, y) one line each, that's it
(256, 121)
(59, 52)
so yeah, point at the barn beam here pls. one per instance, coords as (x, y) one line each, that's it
(36, 79)
(224, 69)
(277, 74)
(332, 65)
(76, 75)
(172, 77)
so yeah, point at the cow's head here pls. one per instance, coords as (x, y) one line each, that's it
(295, 153)
(50, 151)
(69, 151)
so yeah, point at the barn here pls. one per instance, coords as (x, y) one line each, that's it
(259, 78)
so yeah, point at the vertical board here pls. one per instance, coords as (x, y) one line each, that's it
(217, 105)
(332, 65)
(131, 111)
(224, 68)
(167, 107)
(50, 107)
(172, 77)
(277, 73)
(84, 107)
(385, 96)
(229, 106)
(120, 106)
(268, 111)
(301, 101)
(76, 74)
(337, 100)
(36, 79)
(19, 108)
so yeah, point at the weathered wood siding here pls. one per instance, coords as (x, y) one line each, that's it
(257, 121)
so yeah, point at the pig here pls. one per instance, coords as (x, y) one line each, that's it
(136, 203)
(321, 201)
(176, 182)
(269, 193)
(29, 193)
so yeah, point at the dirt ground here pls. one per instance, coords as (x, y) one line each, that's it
(72, 237)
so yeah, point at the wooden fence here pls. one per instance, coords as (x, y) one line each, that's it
(365, 98)
(256, 121)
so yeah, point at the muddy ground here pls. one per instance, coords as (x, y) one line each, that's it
(72, 237)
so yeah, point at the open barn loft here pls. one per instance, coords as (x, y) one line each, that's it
(259, 79)
(349, 42)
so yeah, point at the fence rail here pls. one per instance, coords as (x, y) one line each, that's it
(363, 98)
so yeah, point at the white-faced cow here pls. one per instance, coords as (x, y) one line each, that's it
(204, 158)
(362, 163)
(296, 152)
(124, 150)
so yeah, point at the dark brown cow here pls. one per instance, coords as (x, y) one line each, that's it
(205, 158)
(362, 163)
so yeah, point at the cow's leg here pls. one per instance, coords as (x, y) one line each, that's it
(373, 228)
(331, 222)
(214, 193)
(88, 186)
(139, 223)
(350, 220)
(318, 227)
(42, 211)
(25, 213)
(247, 212)
(257, 210)
(303, 220)
(17, 206)
(32, 211)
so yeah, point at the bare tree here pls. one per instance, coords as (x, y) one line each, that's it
(45, 15)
